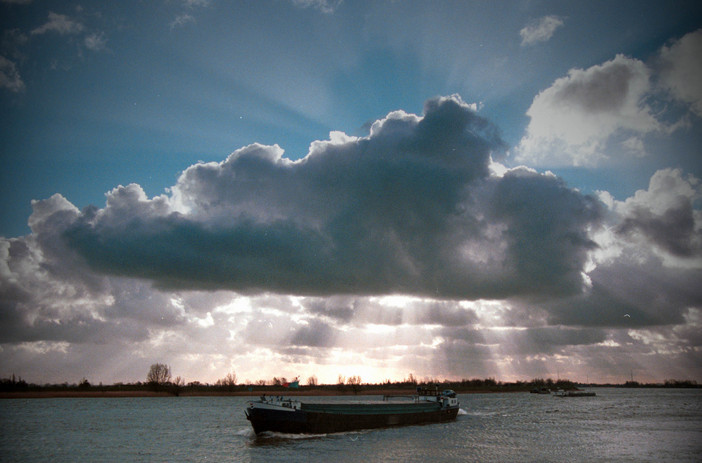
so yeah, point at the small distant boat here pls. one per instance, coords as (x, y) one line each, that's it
(285, 415)
(561, 393)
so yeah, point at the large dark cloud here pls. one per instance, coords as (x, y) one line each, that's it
(665, 214)
(411, 208)
(645, 271)
(547, 231)
(631, 293)
(674, 230)
(48, 294)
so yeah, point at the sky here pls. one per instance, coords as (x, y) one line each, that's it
(297, 188)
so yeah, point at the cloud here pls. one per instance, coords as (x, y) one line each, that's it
(648, 258)
(60, 24)
(580, 118)
(540, 30)
(572, 121)
(182, 20)
(397, 251)
(186, 17)
(48, 294)
(664, 215)
(389, 310)
(325, 6)
(197, 3)
(411, 208)
(681, 69)
(10, 78)
(314, 334)
(544, 340)
(623, 287)
(95, 41)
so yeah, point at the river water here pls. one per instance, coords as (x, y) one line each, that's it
(619, 425)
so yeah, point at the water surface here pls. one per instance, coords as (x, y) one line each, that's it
(619, 425)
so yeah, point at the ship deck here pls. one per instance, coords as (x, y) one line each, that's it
(356, 408)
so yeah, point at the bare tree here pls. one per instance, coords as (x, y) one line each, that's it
(159, 375)
(312, 381)
(228, 382)
(341, 382)
(178, 385)
(355, 383)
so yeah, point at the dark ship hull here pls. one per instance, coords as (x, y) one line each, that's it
(288, 416)
(328, 418)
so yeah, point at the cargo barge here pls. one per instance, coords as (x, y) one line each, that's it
(286, 415)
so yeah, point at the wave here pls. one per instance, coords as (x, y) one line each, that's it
(476, 413)
(245, 432)
(286, 436)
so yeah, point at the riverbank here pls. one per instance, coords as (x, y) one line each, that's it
(246, 393)
(201, 390)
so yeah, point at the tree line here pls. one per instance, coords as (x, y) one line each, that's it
(159, 379)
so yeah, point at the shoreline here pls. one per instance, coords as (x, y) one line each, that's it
(145, 393)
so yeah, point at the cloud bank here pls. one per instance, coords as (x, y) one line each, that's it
(412, 208)
(403, 250)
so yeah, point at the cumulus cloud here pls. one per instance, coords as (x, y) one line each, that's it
(593, 114)
(664, 215)
(540, 30)
(681, 69)
(648, 258)
(571, 121)
(60, 24)
(624, 294)
(411, 208)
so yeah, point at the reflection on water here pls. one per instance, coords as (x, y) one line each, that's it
(619, 425)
